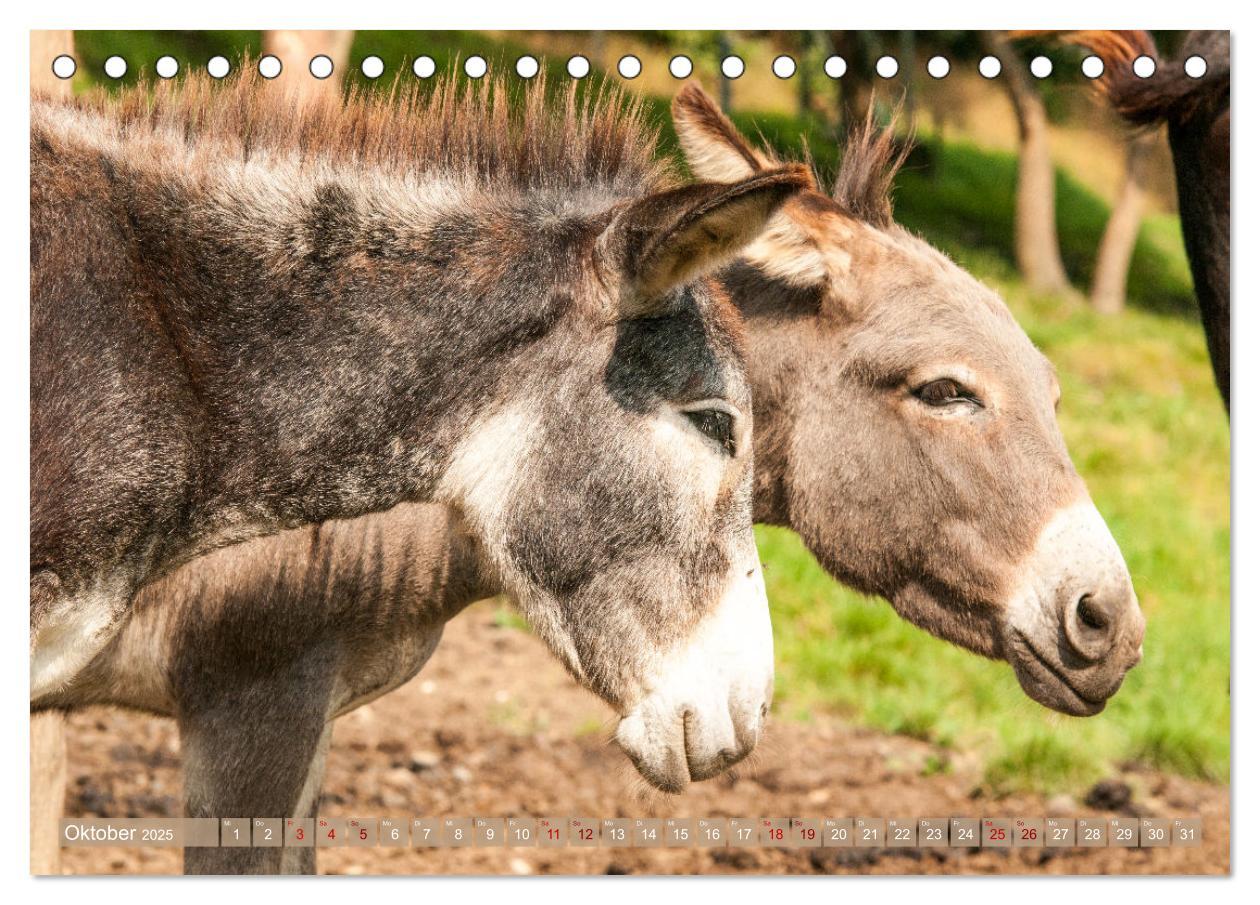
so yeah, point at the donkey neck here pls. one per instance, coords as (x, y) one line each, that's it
(782, 332)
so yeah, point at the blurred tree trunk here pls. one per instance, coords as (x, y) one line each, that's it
(855, 91)
(724, 84)
(1115, 252)
(48, 788)
(295, 50)
(909, 71)
(1036, 239)
(46, 46)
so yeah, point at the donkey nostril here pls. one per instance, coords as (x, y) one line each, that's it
(1091, 613)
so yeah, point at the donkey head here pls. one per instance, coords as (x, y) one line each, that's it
(907, 430)
(610, 478)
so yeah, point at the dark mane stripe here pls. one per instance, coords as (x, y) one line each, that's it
(517, 136)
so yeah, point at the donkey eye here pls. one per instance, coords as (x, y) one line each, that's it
(944, 392)
(717, 425)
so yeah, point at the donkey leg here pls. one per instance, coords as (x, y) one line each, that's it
(254, 761)
(48, 789)
(302, 860)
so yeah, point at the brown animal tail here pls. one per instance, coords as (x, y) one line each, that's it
(1168, 94)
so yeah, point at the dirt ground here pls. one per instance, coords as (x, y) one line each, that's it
(494, 727)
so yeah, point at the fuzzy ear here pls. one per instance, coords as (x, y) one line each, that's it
(671, 238)
(713, 146)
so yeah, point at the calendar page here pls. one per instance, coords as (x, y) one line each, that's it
(724, 452)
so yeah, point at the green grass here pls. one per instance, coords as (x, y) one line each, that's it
(1141, 417)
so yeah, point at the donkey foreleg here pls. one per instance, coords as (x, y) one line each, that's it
(265, 760)
(48, 789)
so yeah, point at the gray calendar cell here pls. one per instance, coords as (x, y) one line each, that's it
(522, 832)
(933, 832)
(1091, 832)
(744, 832)
(1060, 832)
(299, 832)
(648, 832)
(457, 832)
(426, 832)
(489, 832)
(901, 832)
(1029, 832)
(1156, 832)
(584, 832)
(361, 832)
(870, 832)
(268, 832)
(616, 832)
(995, 832)
(234, 832)
(392, 832)
(712, 832)
(964, 832)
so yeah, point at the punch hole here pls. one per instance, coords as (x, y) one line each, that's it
(1041, 67)
(990, 67)
(218, 67)
(423, 67)
(784, 66)
(527, 67)
(372, 67)
(938, 67)
(166, 67)
(269, 66)
(1195, 67)
(629, 67)
(886, 67)
(1144, 67)
(321, 66)
(579, 67)
(115, 67)
(64, 66)
(732, 66)
(835, 66)
(476, 66)
(1092, 67)
(680, 66)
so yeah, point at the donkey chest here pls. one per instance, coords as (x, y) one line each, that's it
(366, 671)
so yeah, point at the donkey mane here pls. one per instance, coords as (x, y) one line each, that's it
(506, 136)
(871, 158)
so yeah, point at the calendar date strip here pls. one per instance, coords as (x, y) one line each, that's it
(636, 832)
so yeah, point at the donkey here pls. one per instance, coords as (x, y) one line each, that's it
(1196, 112)
(955, 499)
(246, 318)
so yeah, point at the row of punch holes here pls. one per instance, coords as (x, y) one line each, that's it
(628, 67)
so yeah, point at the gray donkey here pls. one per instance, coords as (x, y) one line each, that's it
(905, 427)
(247, 317)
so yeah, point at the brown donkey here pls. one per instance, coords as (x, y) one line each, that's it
(247, 317)
(936, 478)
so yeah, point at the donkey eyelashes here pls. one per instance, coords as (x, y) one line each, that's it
(720, 422)
(944, 392)
(717, 425)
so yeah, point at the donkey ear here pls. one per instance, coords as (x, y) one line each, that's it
(671, 238)
(713, 146)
